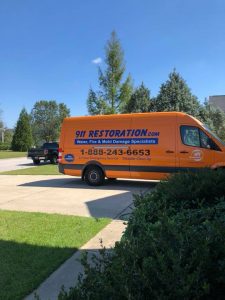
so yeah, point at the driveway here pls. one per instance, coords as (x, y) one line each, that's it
(69, 195)
(9, 164)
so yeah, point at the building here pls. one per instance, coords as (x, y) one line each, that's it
(218, 101)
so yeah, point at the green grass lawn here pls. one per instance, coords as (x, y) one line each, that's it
(33, 245)
(39, 170)
(12, 154)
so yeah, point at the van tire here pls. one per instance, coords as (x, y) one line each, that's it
(94, 176)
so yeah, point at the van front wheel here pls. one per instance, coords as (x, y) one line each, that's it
(94, 176)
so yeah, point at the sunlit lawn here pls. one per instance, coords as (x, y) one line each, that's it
(47, 169)
(12, 154)
(33, 245)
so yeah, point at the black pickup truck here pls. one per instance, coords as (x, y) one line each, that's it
(47, 152)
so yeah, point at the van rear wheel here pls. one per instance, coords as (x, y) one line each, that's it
(94, 176)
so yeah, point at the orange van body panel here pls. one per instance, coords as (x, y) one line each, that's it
(139, 146)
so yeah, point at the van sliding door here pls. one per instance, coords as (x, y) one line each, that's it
(153, 148)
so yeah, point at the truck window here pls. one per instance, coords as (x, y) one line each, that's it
(190, 136)
(50, 145)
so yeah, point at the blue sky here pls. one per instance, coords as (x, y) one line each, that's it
(47, 47)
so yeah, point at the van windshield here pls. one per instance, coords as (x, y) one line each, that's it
(213, 134)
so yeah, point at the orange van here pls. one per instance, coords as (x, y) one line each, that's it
(140, 146)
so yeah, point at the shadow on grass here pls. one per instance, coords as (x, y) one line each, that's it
(23, 267)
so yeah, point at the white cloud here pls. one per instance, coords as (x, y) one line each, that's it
(97, 61)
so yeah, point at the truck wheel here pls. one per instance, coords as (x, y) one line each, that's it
(54, 160)
(36, 161)
(94, 176)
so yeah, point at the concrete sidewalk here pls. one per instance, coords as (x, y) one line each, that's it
(66, 275)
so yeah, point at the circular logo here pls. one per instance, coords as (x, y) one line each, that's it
(197, 155)
(69, 157)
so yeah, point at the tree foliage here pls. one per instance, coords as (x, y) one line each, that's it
(1, 121)
(22, 138)
(214, 117)
(175, 95)
(47, 117)
(140, 100)
(113, 93)
(125, 94)
(96, 105)
(8, 135)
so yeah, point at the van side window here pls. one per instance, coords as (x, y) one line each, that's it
(190, 136)
(205, 140)
(195, 137)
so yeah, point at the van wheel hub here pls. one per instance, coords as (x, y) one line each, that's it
(94, 176)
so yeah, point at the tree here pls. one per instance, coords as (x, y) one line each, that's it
(1, 121)
(140, 100)
(8, 135)
(64, 112)
(22, 138)
(113, 93)
(175, 95)
(214, 117)
(1, 128)
(96, 105)
(125, 94)
(47, 117)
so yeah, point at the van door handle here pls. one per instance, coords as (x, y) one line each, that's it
(184, 152)
(169, 151)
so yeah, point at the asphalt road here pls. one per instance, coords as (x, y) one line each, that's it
(69, 195)
(15, 163)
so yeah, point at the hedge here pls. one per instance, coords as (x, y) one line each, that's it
(4, 146)
(173, 247)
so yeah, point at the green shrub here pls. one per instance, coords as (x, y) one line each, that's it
(173, 247)
(190, 189)
(4, 146)
(182, 191)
